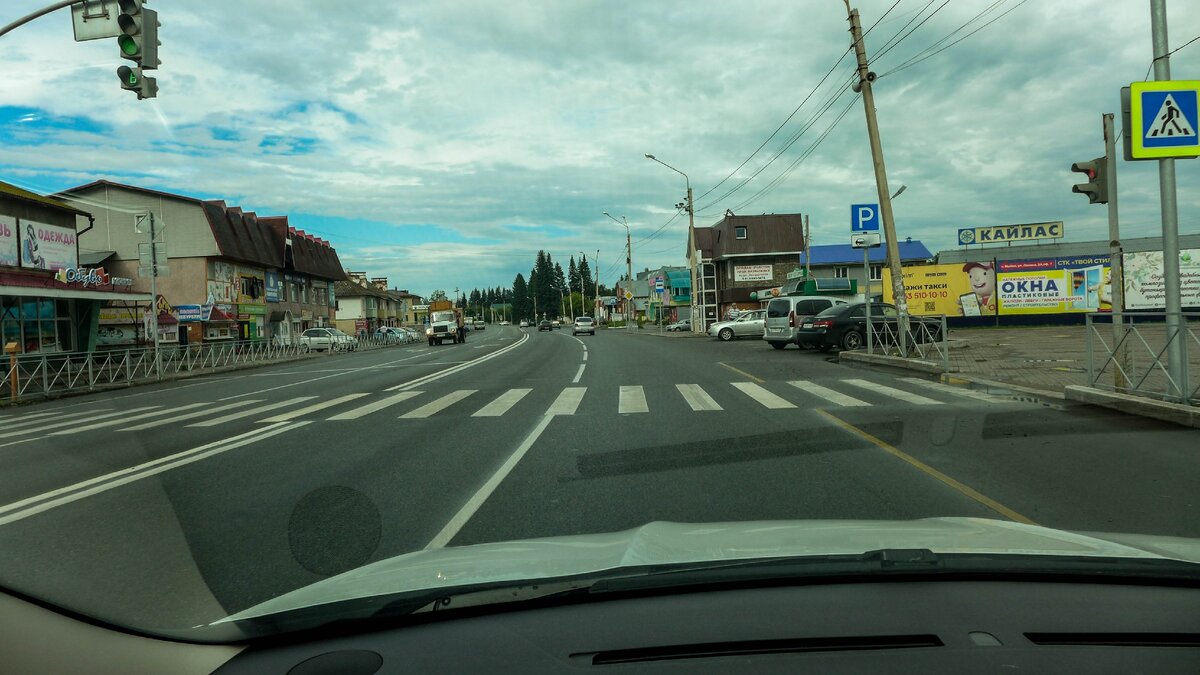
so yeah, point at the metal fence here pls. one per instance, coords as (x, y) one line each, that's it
(1131, 356)
(926, 341)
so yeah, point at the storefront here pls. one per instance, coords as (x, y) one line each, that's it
(42, 314)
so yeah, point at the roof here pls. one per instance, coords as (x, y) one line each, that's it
(311, 255)
(239, 235)
(27, 196)
(765, 235)
(677, 276)
(704, 241)
(845, 254)
(123, 186)
(1066, 249)
(344, 288)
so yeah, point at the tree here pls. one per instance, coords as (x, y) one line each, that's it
(437, 295)
(573, 275)
(585, 272)
(522, 305)
(560, 279)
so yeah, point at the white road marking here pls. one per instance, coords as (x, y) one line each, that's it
(22, 416)
(585, 355)
(697, 398)
(957, 391)
(456, 523)
(374, 406)
(43, 424)
(252, 411)
(313, 379)
(44, 502)
(579, 374)
(763, 396)
(898, 394)
(459, 368)
(632, 400)
(828, 394)
(187, 416)
(438, 405)
(567, 401)
(126, 418)
(502, 403)
(300, 412)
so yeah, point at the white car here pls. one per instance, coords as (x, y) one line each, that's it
(318, 340)
(344, 341)
(505, 323)
(524, 324)
(583, 324)
(748, 324)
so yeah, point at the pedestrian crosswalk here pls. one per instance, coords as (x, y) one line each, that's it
(412, 405)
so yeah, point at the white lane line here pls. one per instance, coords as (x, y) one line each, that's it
(898, 394)
(476, 500)
(828, 394)
(579, 374)
(567, 402)
(486, 346)
(23, 416)
(438, 405)
(187, 416)
(579, 341)
(300, 412)
(766, 398)
(697, 398)
(632, 399)
(126, 418)
(502, 403)
(957, 391)
(44, 502)
(314, 379)
(450, 371)
(252, 411)
(374, 406)
(585, 355)
(43, 424)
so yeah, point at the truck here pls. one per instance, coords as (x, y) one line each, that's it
(445, 323)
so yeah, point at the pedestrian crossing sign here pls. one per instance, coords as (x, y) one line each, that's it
(1164, 120)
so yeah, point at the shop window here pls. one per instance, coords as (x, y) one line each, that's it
(841, 272)
(876, 272)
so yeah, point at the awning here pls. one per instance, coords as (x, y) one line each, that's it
(217, 316)
(80, 294)
(165, 319)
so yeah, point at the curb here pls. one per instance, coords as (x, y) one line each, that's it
(895, 361)
(1177, 413)
(947, 378)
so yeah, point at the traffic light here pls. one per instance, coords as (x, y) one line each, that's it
(1096, 187)
(138, 42)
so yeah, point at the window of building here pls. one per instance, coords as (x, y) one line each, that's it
(37, 324)
(739, 232)
(841, 272)
(876, 272)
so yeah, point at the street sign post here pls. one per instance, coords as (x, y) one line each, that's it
(1164, 117)
(866, 242)
(864, 217)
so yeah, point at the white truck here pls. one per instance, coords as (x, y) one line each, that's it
(445, 324)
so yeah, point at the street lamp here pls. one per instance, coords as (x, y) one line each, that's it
(901, 190)
(628, 264)
(701, 325)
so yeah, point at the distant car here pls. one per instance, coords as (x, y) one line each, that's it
(787, 314)
(545, 325)
(524, 324)
(583, 324)
(388, 335)
(748, 324)
(479, 324)
(556, 324)
(345, 342)
(317, 340)
(682, 326)
(505, 323)
(845, 326)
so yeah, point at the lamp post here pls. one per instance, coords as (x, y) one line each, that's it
(628, 264)
(701, 325)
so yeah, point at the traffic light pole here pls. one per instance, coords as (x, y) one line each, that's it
(1177, 364)
(154, 297)
(40, 13)
(865, 78)
(1116, 273)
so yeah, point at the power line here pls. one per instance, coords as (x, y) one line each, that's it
(889, 47)
(914, 60)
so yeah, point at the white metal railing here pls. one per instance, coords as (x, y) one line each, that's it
(927, 339)
(1131, 356)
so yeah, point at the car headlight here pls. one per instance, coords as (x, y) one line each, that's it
(429, 331)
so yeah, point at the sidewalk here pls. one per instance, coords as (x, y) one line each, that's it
(1047, 358)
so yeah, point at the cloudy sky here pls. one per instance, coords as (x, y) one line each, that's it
(441, 144)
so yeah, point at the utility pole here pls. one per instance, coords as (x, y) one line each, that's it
(1116, 272)
(865, 78)
(596, 297)
(1177, 363)
(807, 249)
(154, 300)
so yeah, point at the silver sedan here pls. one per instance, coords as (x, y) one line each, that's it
(749, 324)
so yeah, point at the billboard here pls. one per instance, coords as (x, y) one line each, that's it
(1009, 233)
(47, 247)
(1055, 285)
(274, 285)
(956, 289)
(753, 273)
(8, 241)
(1144, 286)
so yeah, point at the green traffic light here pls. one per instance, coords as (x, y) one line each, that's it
(128, 45)
(128, 75)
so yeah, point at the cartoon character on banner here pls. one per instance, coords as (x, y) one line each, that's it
(981, 300)
(1104, 291)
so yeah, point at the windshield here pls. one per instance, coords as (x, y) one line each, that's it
(243, 282)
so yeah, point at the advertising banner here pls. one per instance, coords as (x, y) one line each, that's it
(1144, 284)
(752, 273)
(1055, 285)
(8, 241)
(957, 289)
(187, 313)
(108, 335)
(119, 315)
(47, 247)
(1007, 233)
(274, 285)
(219, 291)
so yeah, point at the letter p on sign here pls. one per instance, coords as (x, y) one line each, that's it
(864, 218)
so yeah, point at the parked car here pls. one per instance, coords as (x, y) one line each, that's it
(748, 324)
(544, 325)
(479, 324)
(681, 326)
(785, 316)
(318, 340)
(845, 326)
(344, 341)
(583, 324)
(389, 335)
(524, 324)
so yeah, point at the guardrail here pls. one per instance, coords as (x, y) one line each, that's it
(1131, 356)
(927, 339)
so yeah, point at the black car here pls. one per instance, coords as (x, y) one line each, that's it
(845, 326)
(545, 324)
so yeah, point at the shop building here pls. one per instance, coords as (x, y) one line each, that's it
(843, 261)
(49, 300)
(302, 294)
(363, 305)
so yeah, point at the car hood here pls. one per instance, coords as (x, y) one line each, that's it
(662, 543)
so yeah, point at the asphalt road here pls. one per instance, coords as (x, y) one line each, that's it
(177, 504)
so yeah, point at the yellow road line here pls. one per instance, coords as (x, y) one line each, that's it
(742, 372)
(928, 470)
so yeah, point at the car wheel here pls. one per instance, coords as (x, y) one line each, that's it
(852, 340)
(779, 345)
(725, 334)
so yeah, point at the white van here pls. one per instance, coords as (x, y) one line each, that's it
(786, 314)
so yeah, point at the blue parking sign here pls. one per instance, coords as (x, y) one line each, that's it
(864, 217)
